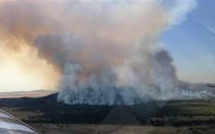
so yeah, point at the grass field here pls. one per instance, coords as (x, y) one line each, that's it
(173, 117)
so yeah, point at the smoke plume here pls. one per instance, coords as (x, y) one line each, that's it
(102, 52)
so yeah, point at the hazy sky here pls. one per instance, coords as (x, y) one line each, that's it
(192, 44)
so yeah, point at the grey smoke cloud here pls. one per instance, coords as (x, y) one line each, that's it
(106, 51)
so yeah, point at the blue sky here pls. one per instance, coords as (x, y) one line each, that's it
(192, 44)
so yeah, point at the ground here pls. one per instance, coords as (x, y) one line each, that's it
(121, 129)
(173, 117)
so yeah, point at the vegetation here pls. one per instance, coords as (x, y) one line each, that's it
(191, 115)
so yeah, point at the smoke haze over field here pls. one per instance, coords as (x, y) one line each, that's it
(93, 51)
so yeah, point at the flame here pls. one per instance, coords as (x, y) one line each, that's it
(21, 69)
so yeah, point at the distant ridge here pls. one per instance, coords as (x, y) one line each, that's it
(33, 94)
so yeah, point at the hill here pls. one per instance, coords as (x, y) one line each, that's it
(48, 110)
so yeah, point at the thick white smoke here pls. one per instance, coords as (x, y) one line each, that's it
(105, 52)
(130, 67)
(123, 84)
